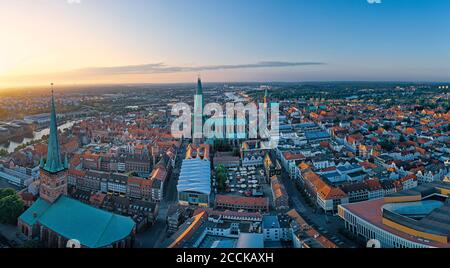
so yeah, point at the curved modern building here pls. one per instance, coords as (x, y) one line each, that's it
(194, 182)
(417, 218)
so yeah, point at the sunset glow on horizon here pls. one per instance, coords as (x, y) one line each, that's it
(171, 41)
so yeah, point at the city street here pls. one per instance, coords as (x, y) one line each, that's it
(156, 234)
(327, 225)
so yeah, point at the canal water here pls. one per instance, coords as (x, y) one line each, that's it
(11, 146)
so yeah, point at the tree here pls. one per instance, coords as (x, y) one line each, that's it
(221, 176)
(11, 206)
(387, 145)
(6, 192)
(134, 174)
(373, 128)
(3, 153)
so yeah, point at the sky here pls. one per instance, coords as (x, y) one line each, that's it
(169, 41)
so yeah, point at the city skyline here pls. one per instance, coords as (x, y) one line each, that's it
(225, 41)
(212, 128)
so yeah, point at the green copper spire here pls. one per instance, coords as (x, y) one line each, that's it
(199, 86)
(198, 100)
(197, 116)
(53, 163)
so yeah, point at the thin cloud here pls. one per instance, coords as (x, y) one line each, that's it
(109, 73)
(157, 68)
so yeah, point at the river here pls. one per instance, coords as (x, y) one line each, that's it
(37, 135)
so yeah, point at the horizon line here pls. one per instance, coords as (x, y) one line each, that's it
(66, 85)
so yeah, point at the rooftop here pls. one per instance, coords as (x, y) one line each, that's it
(270, 221)
(93, 227)
(422, 215)
(241, 200)
(313, 135)
(250, 240)
(195, 176)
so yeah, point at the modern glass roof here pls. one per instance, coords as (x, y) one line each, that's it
(195, 176)
(419, 208)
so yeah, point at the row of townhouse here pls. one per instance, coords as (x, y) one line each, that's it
(432, 175)
(289, 162)
(149, 189)
(323, 195)
(252, 153)
(98, 181)
(280, 196)
(329, 197)
(126, 163)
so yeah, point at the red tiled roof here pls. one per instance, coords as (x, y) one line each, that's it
(374, 184)
(79, 173)
(135, 180)
(40, 148)
(367, 165)
(303, 166)
(91, 156)
(292, 156)
(27, 196)
(241, 200)
(355, 137)
(325, 144)
(328, 192)
(329, 169)
(159, 173)
(408, 177)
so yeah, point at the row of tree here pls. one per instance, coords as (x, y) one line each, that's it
(11, 206)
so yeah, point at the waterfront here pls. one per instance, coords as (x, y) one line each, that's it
(37, 135)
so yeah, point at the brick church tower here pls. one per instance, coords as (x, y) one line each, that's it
(53, 171)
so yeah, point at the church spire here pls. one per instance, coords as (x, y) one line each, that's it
(266, 96)
(198, 113)
(199, 86)
(53, 163)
